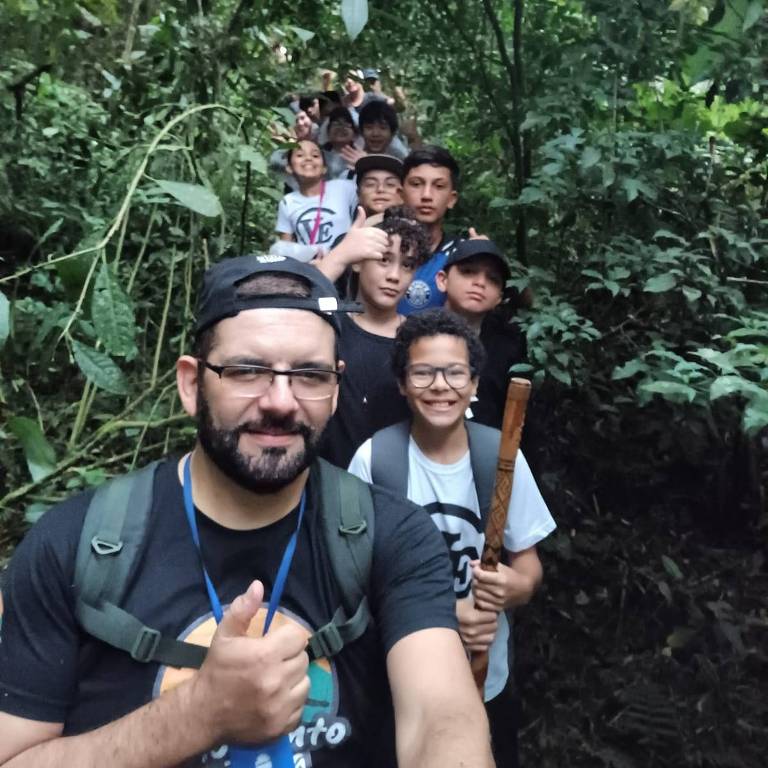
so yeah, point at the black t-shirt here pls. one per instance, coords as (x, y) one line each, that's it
(369, 399)
(51, 671)
(504, 345)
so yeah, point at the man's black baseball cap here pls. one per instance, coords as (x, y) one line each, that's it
(219, 297)
(467, 249)
(379, 162)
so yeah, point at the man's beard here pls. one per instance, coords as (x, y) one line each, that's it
(267, 473)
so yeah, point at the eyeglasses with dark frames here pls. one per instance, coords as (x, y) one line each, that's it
(421, 376)
(253, 381)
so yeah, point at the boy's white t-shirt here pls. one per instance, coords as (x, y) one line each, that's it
(297, 213)
(447, 492)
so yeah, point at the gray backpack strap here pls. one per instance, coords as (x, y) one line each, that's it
(484, 444)
(347, 518)
(389, 457)
(114, 529)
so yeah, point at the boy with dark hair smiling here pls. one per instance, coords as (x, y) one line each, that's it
(378, 127)
(369, 398)
(445, 464)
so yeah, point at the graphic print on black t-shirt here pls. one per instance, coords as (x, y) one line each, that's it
(43, 676)
(320, 727)
(306, 223)
(464, 538)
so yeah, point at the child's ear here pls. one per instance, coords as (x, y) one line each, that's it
(454, 199)
(441, 281)
(401, 387)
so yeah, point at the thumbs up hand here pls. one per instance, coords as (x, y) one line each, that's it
(474, 236)
(253, 689)
(360, 217)
(361, 243)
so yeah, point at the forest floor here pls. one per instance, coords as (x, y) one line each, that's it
(647, 646)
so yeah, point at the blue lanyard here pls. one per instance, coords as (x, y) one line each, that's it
(282, 571)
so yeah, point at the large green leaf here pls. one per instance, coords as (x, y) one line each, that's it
(256, 159)
(354, 13)
(112, 315)
(660, 283)
(756, 416)
(630, 368)
(723, 386)
(99, 369)
(40, 456)
(304, 35)
(752, 15)
(5, 319)
(591, 156)
(196, 197)
(670, 390)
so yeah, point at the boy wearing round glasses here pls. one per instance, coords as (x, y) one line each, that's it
(379, 182)
(437, 360)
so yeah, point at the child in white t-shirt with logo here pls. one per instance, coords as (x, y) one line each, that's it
(319, 211)
(437, 359)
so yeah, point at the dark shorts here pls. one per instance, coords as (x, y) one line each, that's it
(503, 716)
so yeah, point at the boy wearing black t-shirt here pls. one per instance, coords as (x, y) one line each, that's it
(472, 282)
(369, 398)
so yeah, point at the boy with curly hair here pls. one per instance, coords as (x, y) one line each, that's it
(434, 458)
(369, 398)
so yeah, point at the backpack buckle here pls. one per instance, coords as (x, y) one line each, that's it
(102, 547)
(326, 642)
(354, 530)
(145, 645)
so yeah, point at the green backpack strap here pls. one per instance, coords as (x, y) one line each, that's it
(111, 540)
(389, 457)
(348, 525)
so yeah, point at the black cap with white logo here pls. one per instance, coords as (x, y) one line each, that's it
(220, 297)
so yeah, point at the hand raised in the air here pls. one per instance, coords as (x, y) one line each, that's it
(351, 155)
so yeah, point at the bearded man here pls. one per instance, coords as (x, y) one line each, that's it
(235, 544)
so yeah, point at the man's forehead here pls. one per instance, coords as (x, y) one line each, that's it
(294, 328)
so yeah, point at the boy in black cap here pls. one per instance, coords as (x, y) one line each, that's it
(379, 182)
(379, 187)
(473, 281)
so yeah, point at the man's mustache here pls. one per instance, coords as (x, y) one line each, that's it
(275, 426)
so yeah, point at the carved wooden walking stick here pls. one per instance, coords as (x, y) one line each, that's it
(511, 430)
